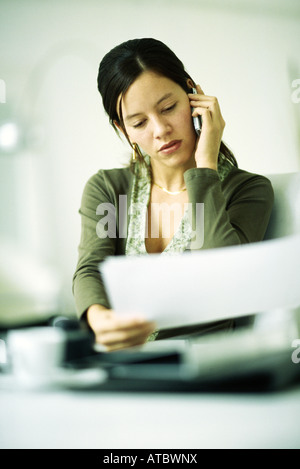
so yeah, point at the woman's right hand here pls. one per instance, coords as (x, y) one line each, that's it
(116, 332)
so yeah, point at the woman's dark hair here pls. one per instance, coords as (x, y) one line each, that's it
(126, 62)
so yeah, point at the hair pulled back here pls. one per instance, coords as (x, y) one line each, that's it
(123, 64)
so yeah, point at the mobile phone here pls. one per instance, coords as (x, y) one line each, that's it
(197, 121)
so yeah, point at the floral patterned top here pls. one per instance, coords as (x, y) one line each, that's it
(140, 198)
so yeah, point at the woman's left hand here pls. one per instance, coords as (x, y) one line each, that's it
(208, 144)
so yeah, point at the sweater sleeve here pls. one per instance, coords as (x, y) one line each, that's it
(97, 214)
(236, 211)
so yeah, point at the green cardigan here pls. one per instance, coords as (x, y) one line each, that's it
(236, 211)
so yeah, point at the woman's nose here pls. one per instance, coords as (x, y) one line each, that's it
(161, 127)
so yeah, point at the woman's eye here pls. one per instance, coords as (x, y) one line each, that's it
(170, 108)
(139, 124)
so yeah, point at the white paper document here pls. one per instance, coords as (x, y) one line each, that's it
(202, 286)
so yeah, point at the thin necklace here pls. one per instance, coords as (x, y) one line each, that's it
(169, 192)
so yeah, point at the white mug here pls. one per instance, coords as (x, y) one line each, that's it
(36, 354)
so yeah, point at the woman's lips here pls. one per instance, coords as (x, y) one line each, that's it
(170, 147)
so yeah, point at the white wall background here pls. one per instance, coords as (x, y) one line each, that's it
(244, 52)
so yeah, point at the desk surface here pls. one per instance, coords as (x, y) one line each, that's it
(73, 419)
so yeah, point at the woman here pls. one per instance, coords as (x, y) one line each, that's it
(151, 100)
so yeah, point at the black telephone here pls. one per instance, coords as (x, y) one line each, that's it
(197, 121)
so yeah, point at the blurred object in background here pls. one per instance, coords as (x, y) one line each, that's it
(29, 290)
(30, 287)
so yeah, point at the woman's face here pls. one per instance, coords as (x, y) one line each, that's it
(157, 116)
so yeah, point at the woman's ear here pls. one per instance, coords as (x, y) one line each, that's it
(118, 126)
(190, 83)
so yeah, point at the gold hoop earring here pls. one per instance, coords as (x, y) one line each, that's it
(136, 153)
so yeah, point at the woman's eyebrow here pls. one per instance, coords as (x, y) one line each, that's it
(166, 96)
